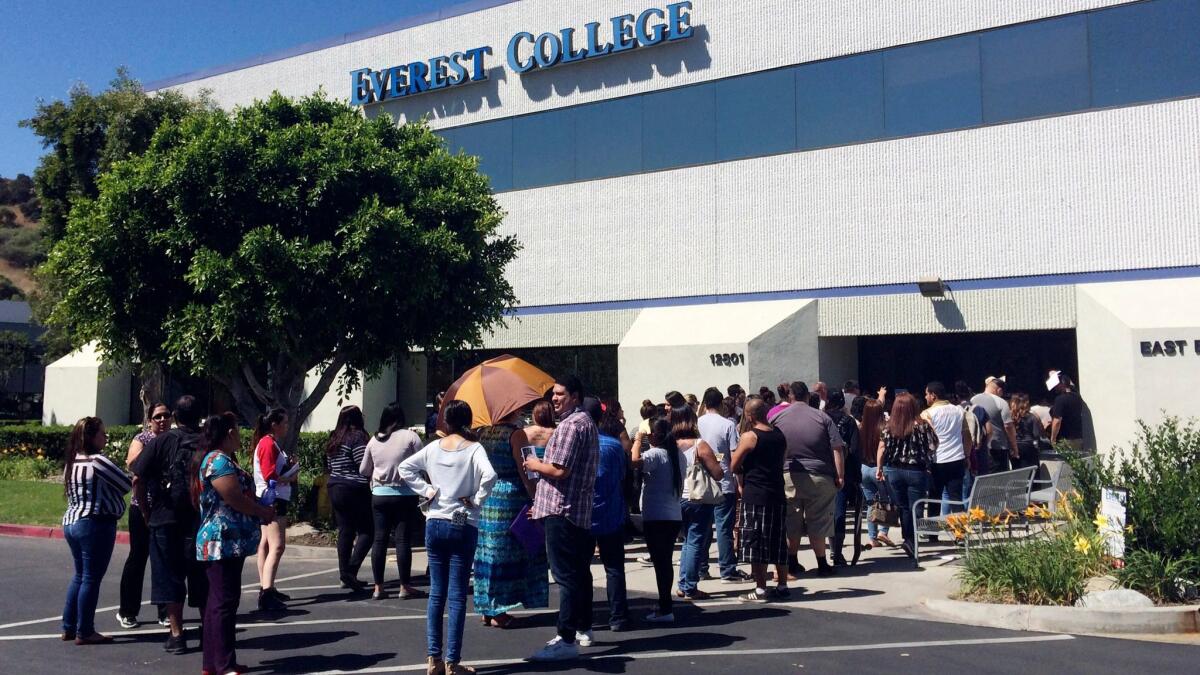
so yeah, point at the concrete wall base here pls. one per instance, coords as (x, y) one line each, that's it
(1156, 620)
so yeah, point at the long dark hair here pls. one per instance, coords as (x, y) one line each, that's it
(265, 422)
(391, 419)
(457, 416)
(661, 437)
(872, 422)
(213, 432)
(349, 420)
(543, 414)
(684, 424)
(81, 442)
(610, 420)
(903, 419)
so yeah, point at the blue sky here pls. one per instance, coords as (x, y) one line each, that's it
(46, 46)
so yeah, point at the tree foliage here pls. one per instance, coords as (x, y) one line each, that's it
(88, 133)
(288, 235)
(16, 190)
(84, 136)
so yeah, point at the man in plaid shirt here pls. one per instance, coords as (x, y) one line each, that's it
(563, 504)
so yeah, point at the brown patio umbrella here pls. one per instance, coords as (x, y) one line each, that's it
(498, 387)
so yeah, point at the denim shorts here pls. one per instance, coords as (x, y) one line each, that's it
(173, 567)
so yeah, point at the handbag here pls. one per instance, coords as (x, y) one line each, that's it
(884, 512)
(528, 532)
(701, 487)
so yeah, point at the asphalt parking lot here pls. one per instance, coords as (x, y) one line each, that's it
(326, 630)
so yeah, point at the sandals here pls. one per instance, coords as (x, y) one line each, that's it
(499, 621)
(883, 538)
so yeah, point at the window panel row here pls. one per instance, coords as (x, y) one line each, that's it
(1117, 56)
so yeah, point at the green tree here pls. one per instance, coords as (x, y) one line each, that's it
(88, 133)
(84, 136)
(286, 236)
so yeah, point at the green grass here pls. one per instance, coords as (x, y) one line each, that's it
(26, 502)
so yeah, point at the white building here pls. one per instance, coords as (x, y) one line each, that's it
(770, 179)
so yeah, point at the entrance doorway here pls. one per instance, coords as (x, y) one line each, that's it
(912, 361)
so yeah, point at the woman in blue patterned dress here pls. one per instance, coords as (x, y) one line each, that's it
(507, 576)
(230, 520)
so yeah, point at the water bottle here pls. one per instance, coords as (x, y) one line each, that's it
(268, 495)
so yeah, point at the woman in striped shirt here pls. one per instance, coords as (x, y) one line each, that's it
(350, 492)
(96, 490)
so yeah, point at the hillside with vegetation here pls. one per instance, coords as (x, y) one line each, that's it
(22, 241)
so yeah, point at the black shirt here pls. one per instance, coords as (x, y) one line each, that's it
(762, 470)
(164, 466)
(848, 428)
(1068, 406)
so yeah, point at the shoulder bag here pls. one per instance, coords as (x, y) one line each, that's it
(701, 487)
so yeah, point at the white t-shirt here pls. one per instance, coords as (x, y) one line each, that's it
(947, 421)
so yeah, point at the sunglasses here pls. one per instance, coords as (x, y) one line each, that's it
(161, 417)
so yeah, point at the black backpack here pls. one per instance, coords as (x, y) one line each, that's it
(178, 447)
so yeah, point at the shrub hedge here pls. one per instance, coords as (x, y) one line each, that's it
(32, 451)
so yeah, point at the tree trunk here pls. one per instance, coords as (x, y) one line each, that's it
(249, 407)
(153, 383)
(286, 390)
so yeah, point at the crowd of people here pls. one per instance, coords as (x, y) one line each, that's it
(541, 491)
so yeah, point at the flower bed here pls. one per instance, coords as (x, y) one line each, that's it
(1053, 565)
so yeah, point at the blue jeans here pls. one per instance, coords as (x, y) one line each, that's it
(907, 486)
(871, 489)
(697, 534)
(451, 550)
(725, 517)
(91, 540)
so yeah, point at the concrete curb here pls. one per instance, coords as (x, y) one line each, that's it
(41, 532)
(1154, 620)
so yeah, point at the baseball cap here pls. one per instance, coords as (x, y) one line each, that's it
(993, 378)
(1054, 380)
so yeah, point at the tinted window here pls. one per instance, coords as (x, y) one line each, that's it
(680, 127)
(608, 138)
(1035, 69)
(1145, 52)
(840, 101)
(492, 143)
(543, 149)
(756, 115)
(932, 86)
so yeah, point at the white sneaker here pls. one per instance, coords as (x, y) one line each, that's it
(655, 617)
(556, 650)
(645, 561)
(583, 639)
(126, 622)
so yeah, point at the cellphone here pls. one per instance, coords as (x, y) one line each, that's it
(526, 453)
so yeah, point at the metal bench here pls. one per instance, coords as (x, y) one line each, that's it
(1053, 479)
(995, 493)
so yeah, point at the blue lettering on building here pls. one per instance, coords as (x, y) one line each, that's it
(526, 52)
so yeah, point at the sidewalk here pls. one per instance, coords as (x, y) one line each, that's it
(883, 583)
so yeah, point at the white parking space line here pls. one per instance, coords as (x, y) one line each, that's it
(642, 656)
(246, 588)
